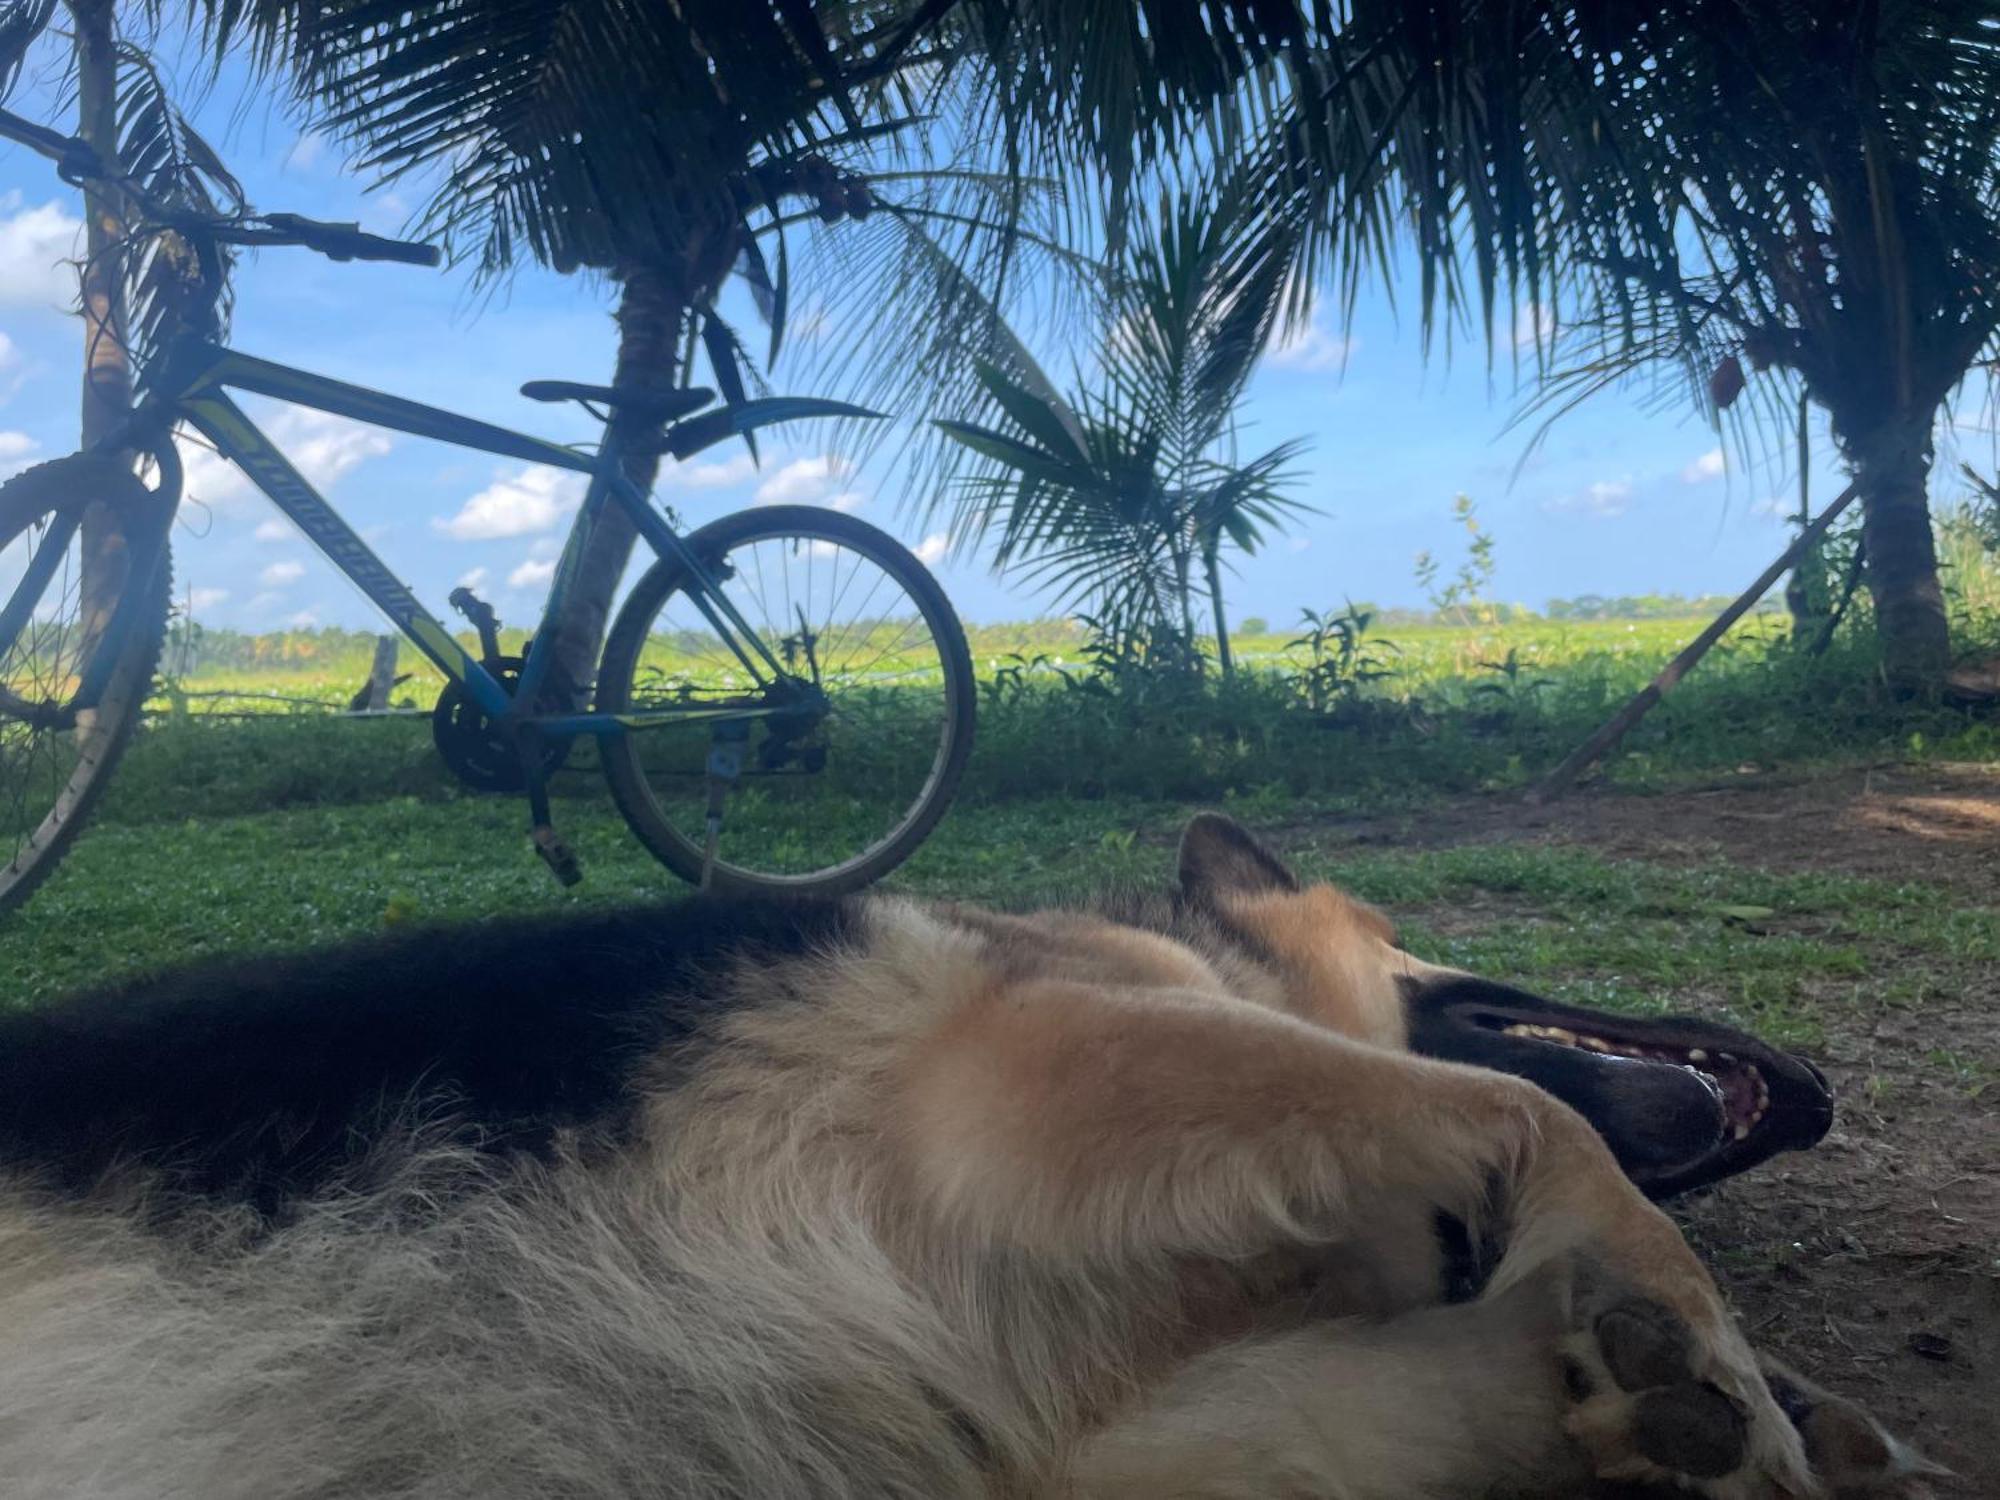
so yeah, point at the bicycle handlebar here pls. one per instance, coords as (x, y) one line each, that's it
(345, 241)
(76, 160)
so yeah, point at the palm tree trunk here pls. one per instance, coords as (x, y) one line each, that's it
(1212, 564)
(107, 360)
(1891, 463)
(1184, 593)
(107, 365)
(652, 308)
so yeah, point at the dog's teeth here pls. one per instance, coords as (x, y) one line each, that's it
(1698, 1054)
(1726, 1058)
(1556, 1033)
(1742, 1132)
(1594, 1043)
(1517, 1029)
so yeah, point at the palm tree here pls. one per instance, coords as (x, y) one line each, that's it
(1117, 497)
(671, 148)
(1811, 189)
(125, 113)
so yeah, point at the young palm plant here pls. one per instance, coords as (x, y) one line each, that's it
(1123, 500)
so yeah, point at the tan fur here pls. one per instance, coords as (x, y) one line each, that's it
(989, 1206)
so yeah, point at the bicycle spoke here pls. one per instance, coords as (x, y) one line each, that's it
(855, 735)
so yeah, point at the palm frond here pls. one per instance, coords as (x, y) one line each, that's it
(21, 22)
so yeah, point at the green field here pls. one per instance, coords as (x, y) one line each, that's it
(239, 822)
(307, 670)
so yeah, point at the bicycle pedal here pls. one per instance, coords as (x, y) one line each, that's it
(557, 855)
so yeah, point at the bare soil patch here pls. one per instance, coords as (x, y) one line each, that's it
(1873, 1262)
(1936, 823)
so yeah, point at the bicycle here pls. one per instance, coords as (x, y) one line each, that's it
(752, 742)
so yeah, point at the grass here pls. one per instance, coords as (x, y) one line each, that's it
(226, 835)
(1625, 935)
(1465, 710)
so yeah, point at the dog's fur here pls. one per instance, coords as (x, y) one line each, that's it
(875, 1199)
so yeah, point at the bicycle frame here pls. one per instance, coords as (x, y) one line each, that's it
(201, 373)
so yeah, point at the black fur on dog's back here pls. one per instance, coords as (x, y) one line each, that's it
(260, 1079)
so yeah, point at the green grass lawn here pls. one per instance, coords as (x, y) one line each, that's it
(223, 835)
(139, 893)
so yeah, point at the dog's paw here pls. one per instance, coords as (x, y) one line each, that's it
(1657, 1402)
(1851, 1454)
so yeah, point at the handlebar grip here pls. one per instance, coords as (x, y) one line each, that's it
(408, 252)
(347, 242)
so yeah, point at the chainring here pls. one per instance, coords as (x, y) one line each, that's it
(478, 755)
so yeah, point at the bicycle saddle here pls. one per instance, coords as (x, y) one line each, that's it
(636, 401)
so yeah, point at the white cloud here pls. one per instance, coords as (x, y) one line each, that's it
(1604, 499)
(533, 498)
(261, 602)
(532, 574)
(1776, 507)
(16, 449)
(1702, 470)
(1314, 345)
(1534, 325)
(7, 352)
(277, 529)
(199, 599)
(305, 152)
(804, 480)
(847, 500)
(321, 446)
(1298, 543)
(931, 549)
(280, 574)
(37, 246)
(712, 476)
(305, 619)
(472, 578)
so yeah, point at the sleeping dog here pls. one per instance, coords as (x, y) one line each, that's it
(1217, 1192)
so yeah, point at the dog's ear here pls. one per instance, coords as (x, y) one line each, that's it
(1219, 857)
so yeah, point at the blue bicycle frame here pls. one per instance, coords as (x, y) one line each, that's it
(202, 373)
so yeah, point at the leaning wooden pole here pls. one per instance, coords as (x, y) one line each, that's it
(1620, 724)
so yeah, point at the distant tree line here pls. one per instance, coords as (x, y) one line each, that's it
(1647, 606)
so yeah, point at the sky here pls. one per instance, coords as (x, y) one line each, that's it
(1624, 495)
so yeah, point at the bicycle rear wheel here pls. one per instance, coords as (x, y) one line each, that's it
(56, 758)
(848, 762)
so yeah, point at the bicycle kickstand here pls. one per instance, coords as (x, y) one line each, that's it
(727, 742)
(555, 853)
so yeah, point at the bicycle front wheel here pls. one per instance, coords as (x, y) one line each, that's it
(844, 763)
(65, 564)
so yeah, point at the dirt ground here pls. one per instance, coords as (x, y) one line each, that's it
(1873, 1262)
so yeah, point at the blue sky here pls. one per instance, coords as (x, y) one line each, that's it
(1622, 497)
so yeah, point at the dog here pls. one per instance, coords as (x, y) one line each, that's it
(1215, 1192)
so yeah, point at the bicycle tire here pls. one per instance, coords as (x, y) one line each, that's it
(620, 663)
(82, 479)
